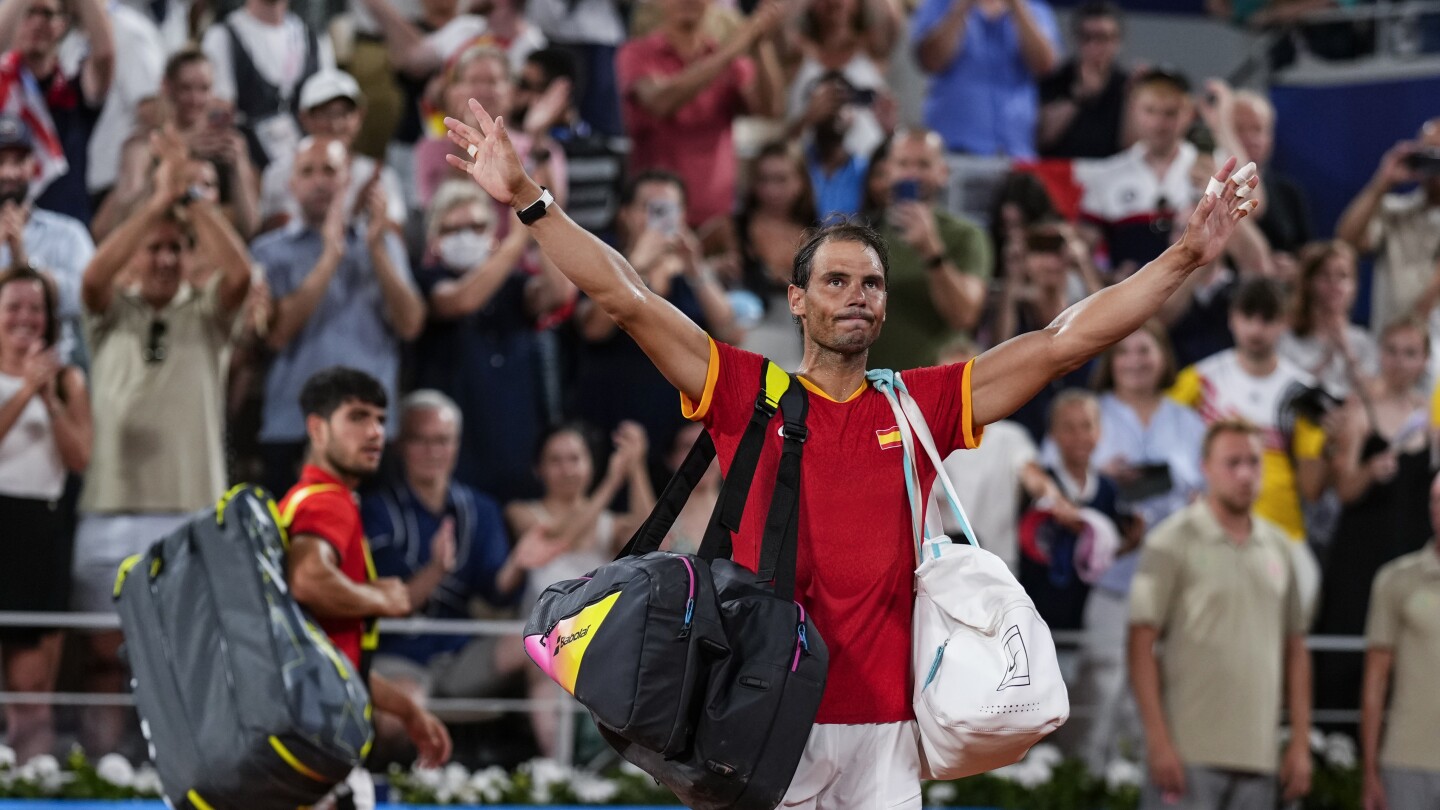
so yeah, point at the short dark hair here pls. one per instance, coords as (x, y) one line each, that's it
(1095, 10)
(1259, 298)
(327, 390)
(1165, 77)
(632, 188)
(845, 232)
(188, 55)
(554, 63)
(1223, 426)
(22, 273)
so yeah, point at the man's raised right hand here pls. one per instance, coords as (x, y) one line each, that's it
(491, 159)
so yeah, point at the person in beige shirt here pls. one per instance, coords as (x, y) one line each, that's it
(1216, 587)
(1402, 229)
(159, 349)
(1402, 637)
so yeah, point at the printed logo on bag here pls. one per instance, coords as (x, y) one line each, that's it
(889, 438)
(1017, 669)
(560, 652)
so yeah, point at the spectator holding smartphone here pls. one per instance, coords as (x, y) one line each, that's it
(939, 263)
(207, 126)
(851, 39)
(1398, 227)
(666, 254)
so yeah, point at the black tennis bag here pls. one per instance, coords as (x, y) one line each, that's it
(244, 701)
(744, 684)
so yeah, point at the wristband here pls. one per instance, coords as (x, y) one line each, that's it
(534, 211)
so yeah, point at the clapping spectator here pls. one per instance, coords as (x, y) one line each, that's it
(343, 296)
(448, 543)
(985, 57)
(939, 263)
(682, 93)
(45, 434)
(159, 350)
(207, 126)
(576, 517)
(1082, 113)
(774, 216)
(1398, 227)
(33, 30)
(1020, 201)
(483, 73)
(262, 53)
(1322, 340)
(666, 254)
(486, 298)
(331, 106)
(53, 242)
(851, 39)
(547, 105)
(591, 31)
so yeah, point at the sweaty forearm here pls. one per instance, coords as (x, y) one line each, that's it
(1098, 322)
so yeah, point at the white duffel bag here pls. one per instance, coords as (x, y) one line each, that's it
(987, 680)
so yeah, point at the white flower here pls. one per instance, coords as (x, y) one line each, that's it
(1317, 741)
(147, 781)
(592, 789)
(453, 777)
(489, 785)
(545, 774)
(116, 770)
(7, 757)
(43, 765)
(1045, 754)
(429, 778)
(1340, 751)
(1123, 773)
(44, 771)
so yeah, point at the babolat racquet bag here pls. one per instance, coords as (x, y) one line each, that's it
(244, 701)
(701, 672)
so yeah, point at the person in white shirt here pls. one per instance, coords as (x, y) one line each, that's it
(262, 53)
(331, 106)
(137, 79)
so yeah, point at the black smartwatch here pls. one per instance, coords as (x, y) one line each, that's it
(532, 213)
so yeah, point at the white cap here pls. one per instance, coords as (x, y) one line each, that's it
(328, 85)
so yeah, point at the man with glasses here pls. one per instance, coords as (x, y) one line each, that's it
(159, 353)
(1082, 110)
(1132, 198)
(448, 543)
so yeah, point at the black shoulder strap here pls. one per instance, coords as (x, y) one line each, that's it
(734, 491)
(780, 546)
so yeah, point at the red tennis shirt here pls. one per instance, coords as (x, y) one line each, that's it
(856, 563)
(323, 506)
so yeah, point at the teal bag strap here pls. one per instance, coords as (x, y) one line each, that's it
(911, 422)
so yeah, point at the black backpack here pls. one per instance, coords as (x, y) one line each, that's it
(244, 701)
(732, 695)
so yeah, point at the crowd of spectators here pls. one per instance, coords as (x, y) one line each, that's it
(198, 212)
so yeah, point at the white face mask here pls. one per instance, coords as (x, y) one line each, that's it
(464, 249)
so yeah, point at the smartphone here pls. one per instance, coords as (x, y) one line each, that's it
(905, 191)
(863, 97)
(663, 216)
(1150, 480)
(221, 118)
(1425, 162)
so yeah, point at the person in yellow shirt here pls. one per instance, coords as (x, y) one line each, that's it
(1252, 382)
